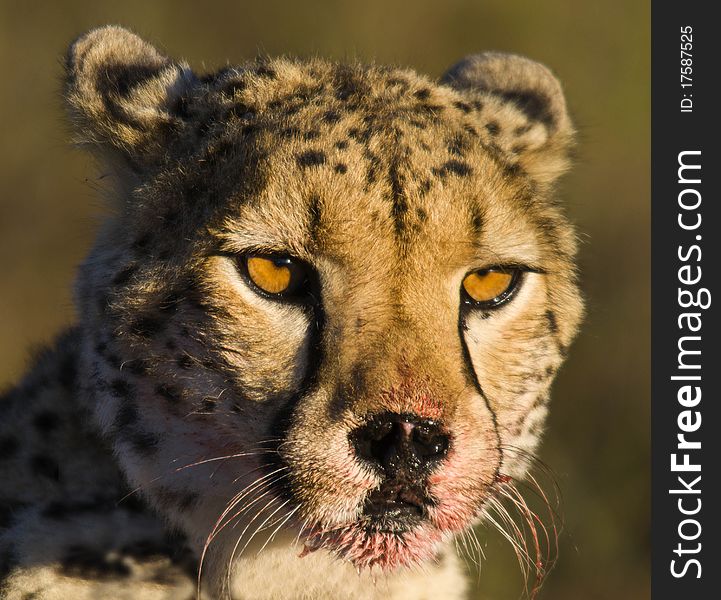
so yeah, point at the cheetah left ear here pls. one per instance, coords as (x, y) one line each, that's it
(125, 98)
(523, 110)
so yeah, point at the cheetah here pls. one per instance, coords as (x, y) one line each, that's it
(316, 332)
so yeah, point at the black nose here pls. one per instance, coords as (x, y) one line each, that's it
(401, 444)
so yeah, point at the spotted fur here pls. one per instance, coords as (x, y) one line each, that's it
(183, 391)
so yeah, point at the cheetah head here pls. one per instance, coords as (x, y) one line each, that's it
(330, 299)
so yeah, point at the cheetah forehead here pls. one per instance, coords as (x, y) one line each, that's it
(147, 115)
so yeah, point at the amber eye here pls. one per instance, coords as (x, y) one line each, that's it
(276, 275)
(489, 288)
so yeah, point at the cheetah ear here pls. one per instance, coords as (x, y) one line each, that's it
(125, 98)
(523, 112)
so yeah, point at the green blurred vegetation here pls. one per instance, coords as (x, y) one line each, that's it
(598, 442)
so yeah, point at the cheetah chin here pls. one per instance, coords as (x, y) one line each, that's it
(316, 333)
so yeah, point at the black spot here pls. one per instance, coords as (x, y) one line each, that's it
(137, 367)
(373, 167)
(331, 116)
(143, 442)
(60, 510)
(240, 111)
(341, 168)
(122, 277)
(398, 82)
(311, 158)
(168, 392)
(46, 421)
(113, 360)
(347, 84)
(454, 167)
(147, 326)
(265, 71)
(462, 106)
(87, 563)
(311, 135)
(184, 361)
(132, 502)
(126, 416)
(208, 405)
(422, 94)
(425, 186)
(170, 302)
(522, 129)
(181, 108)
(142, 242)
(430, 110)
(342, 145)
(121, 389)
(417, 124)
(290, 132)
(45, 466)
(519, 148)
(422, 215)
(232, 87)
(477, 105)
(458, 145)
(9, 446)
(493, 128)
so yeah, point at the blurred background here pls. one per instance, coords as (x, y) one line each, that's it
(599, 442)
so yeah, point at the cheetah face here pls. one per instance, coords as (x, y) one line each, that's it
(332, 298)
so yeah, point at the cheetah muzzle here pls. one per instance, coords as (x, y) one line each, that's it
(320, 323)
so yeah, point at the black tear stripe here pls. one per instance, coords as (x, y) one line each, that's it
(552, 322)
(281, 423)
(553, 328)
(473, 379)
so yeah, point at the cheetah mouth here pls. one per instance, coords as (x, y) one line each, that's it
(384, 547)
(396, 507)
(393, 530)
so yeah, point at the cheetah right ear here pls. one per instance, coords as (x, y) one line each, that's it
(125, 97)
(524, 110)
